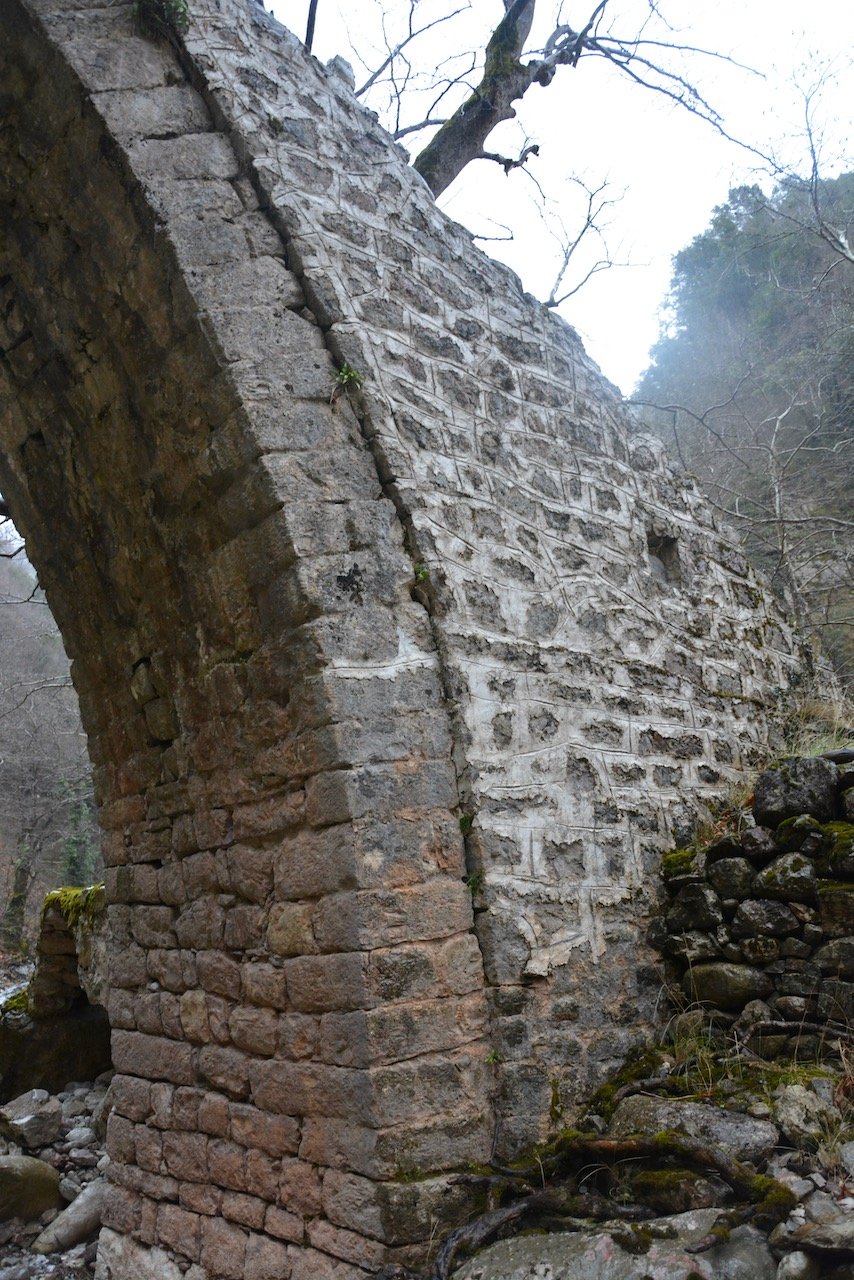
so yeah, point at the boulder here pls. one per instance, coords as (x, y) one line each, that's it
(759, 845)
(80, 1220)
(833, 1239)
(791, 877)
(798, 1266)
(801, 785)
(27, 1188)
(761, 917)
(740, 1137)
(836, 958)
(656, 1250)
(803, 1116)
(694, 907)
(837, 854)
(731, 877)
(32, 1120)
(726, 986)
(799, 835)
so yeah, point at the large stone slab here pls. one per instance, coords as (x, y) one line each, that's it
(738, 1136)
(616, 1251)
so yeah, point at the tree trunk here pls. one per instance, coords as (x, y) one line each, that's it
(505, 80)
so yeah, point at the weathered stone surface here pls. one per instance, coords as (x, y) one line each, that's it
(598, 1255)
(731, 877)
(802, 785)
(803, 834)
(831, 1239)
(836, 958)
(78, 1222)
(725, 985)
(33, 1119)
(762, 917)
(119, 1255)
(695, 907)
(837, 853)
(798, 1266)
(47, 1051)
(790, 878)
(740, 1136)
(759, 845)
(27, 1187)
(802, 1115)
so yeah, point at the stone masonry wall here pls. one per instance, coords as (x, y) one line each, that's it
(608, 656)
(318, 642)
(296, 990)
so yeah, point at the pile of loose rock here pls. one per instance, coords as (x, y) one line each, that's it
(760, 921)
(52, 1165)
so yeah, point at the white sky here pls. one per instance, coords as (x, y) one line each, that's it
(665, 169)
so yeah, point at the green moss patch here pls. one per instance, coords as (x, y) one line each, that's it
(77, 905)
(678, 862)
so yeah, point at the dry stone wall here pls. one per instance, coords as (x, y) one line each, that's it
(320, 636)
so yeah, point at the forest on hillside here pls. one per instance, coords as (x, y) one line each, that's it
(751, 386)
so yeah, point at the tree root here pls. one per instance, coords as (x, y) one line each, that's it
(563, 1205)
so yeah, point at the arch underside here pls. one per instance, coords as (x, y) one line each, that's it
(296, 992)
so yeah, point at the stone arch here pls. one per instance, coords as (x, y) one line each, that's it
(296, 990)
(321, 629)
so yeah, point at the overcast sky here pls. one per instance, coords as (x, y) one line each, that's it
(666, 170)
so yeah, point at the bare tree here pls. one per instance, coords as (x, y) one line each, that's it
(472, 92)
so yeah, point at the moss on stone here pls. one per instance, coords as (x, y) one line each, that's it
(17, 1003)
(602, 1102)
(678, 862)
(838, 840)
(773, 1201)
(77, 905)
(835, 886)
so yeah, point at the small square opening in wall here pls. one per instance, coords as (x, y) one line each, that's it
(663, 557)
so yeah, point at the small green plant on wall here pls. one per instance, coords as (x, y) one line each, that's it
(346, 379)
(162, 17)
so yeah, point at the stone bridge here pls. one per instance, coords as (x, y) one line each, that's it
(398, 648)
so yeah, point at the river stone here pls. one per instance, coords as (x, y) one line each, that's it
(32, 1120)
(848, 804)
(596, 1254)
(798, 1266)
(731, 877)
(27, 1187)
(802, 785)
(803, 1115)
(740, 1137)
(80, 1220)
(726, 986)
(759, 917)
(836, 1238)
(791, 877)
